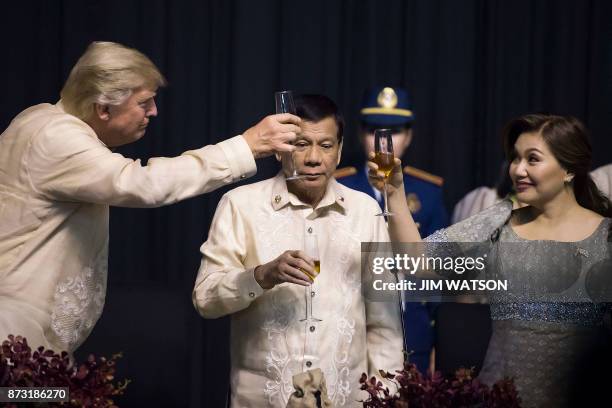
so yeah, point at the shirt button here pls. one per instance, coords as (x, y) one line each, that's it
(312, 293)
(252, 294)
(310, 230)
(312, 328)
(277, 199)
(243, 176)
(308, 363)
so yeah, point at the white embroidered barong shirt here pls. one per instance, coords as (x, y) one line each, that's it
(57, 181)
(253, 225)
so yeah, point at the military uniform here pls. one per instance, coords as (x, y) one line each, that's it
(389, 107)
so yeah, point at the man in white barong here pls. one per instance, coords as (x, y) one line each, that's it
(254, 269)
(58, 177)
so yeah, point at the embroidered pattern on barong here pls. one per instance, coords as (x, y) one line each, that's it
(284, 332)
(78, 302)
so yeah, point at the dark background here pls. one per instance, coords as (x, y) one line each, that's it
(470, 66)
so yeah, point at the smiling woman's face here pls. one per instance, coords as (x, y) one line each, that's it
(316, 155)
(536, 174)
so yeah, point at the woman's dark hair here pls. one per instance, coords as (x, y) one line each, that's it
(503, 184)
(315, 108)
(568, 140)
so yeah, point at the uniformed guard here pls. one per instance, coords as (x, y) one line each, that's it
(387, 107)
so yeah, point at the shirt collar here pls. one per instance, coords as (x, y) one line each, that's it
(60, 105)
(333, 197)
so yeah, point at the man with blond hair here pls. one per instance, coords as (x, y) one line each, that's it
(58, 177)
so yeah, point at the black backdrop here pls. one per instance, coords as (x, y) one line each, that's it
(470, 66)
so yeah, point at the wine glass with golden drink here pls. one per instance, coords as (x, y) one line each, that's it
(283, 101)
(311, 248)
(383, 157)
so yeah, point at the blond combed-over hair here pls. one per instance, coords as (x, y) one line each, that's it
(107, 73)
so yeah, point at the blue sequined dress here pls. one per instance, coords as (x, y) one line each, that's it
(546, 324)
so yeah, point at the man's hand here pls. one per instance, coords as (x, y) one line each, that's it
(274, 134)
(290, 266)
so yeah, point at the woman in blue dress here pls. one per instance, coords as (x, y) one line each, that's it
(555, 251)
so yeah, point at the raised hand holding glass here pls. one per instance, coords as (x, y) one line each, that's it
(383, 157)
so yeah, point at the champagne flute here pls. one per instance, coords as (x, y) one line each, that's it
(284, 104)
(311, 248)
(383, 157)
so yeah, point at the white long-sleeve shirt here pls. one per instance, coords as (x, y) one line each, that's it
(57, 180)
(603, 178)
(253, 225)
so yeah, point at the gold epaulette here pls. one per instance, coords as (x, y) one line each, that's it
(423, 175)
(344, 172)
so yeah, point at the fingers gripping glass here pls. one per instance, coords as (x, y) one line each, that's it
(383, 157)
(284, 104)
(311, 248)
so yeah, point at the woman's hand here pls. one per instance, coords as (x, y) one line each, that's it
(395, 182)
(401, 225)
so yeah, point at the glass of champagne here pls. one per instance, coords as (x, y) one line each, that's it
(283, 101)
(311, 248)
(383, 157)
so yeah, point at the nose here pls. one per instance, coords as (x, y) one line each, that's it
(313, 156)
(518, 169)
(152, 111)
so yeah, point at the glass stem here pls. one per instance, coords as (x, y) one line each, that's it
(293, 165)
(385, 192)
(308, 302)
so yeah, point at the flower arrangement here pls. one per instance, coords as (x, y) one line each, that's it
(418, 391)
(90, 383)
